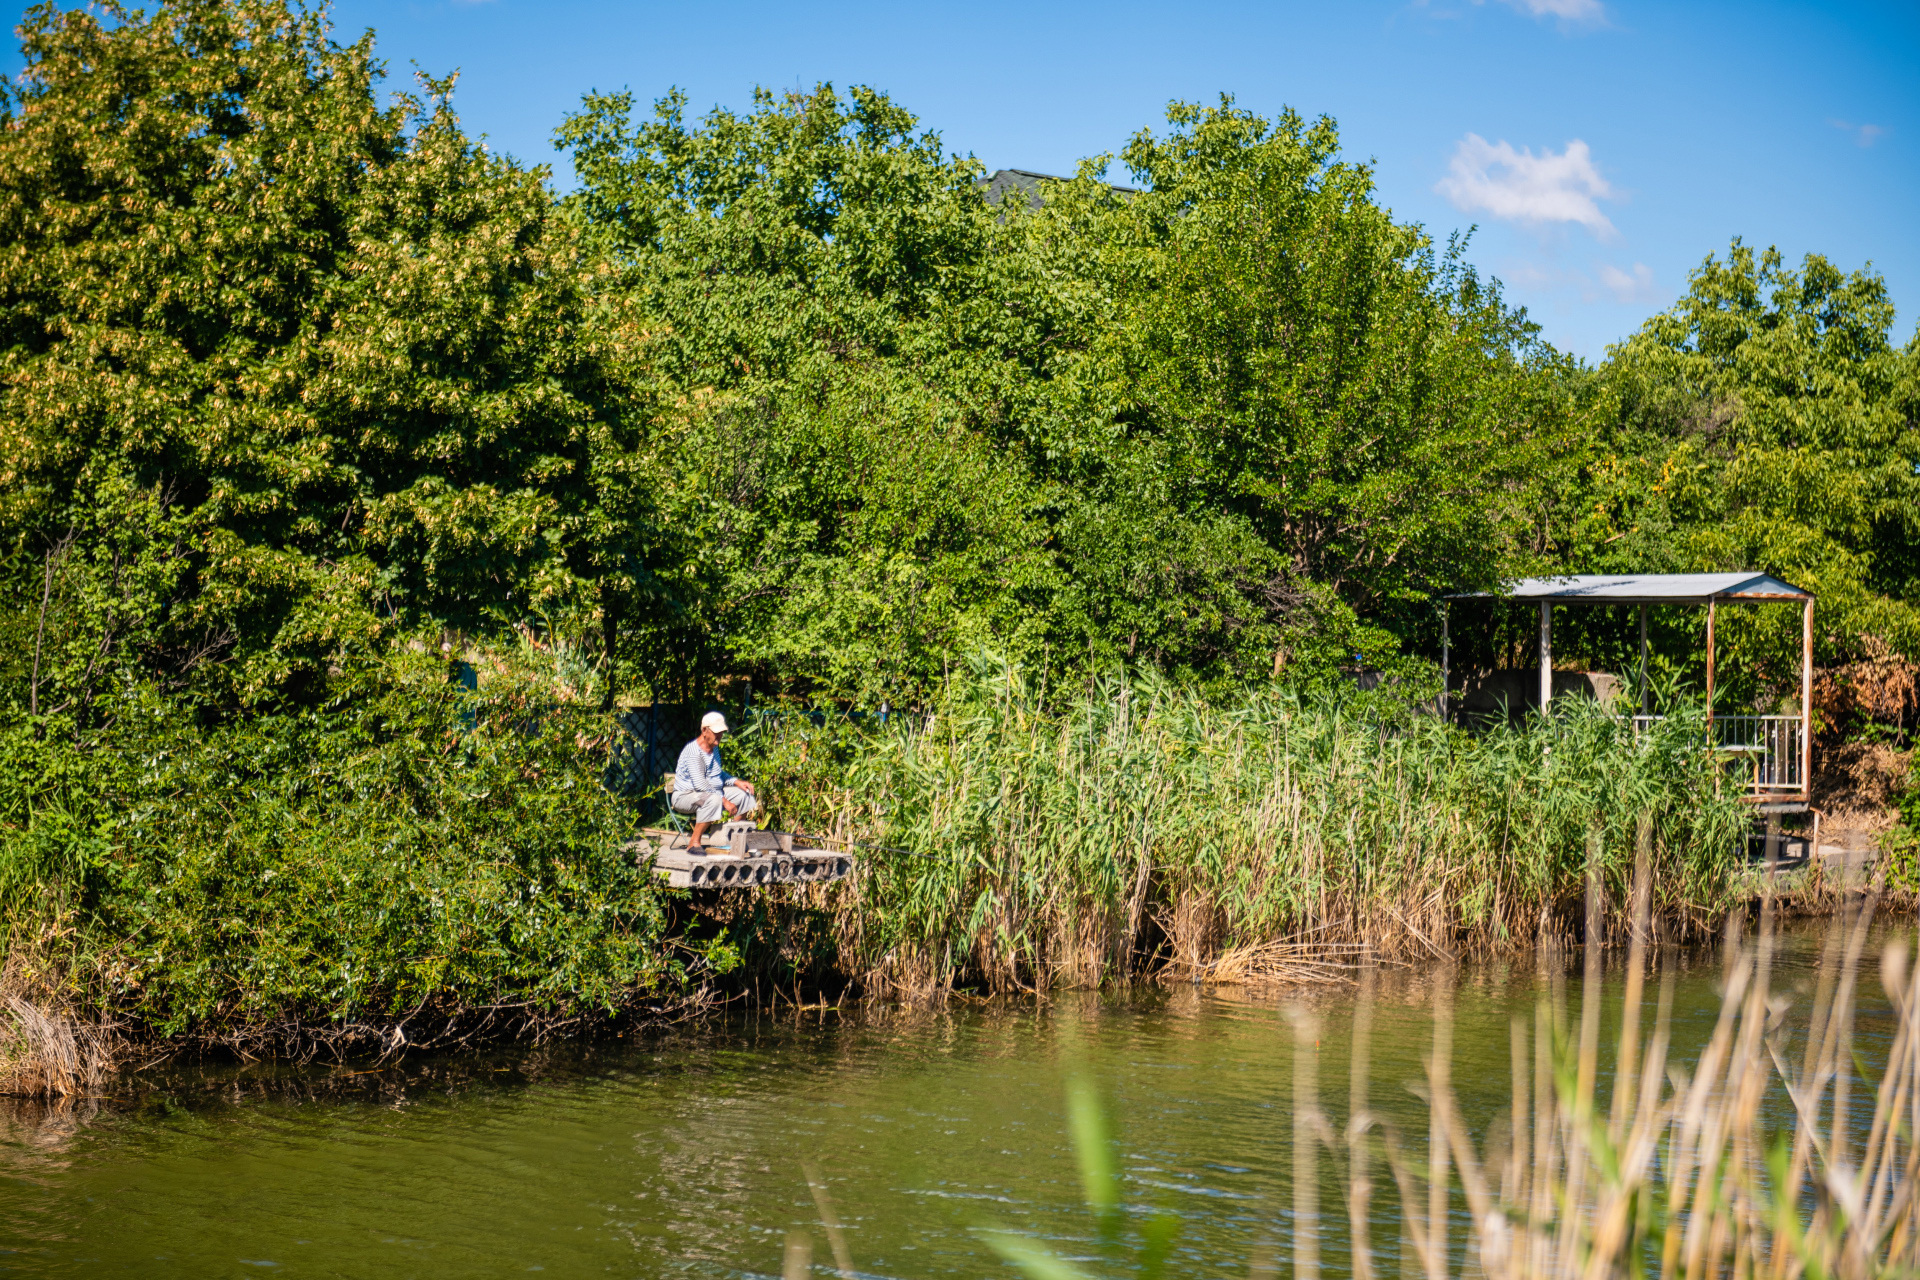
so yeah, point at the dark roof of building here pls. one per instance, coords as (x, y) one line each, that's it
(1004, 182)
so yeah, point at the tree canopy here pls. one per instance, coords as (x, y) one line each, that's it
(289, 376)
(1765, 421)
(283, 372)
(1239, 422)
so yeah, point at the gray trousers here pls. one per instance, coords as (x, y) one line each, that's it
(705, 805)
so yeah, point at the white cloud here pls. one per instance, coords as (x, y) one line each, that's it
(1570, 10)
(1625, 286)
(1864, 134)
(1533, 275)
(1522, 187)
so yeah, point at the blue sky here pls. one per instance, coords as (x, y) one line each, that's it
(1604, 147)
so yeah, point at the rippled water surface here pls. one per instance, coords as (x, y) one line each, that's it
(683, 1154)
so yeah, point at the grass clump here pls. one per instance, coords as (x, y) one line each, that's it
(1027, 841)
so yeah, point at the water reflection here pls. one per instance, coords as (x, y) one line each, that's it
(684, 1154)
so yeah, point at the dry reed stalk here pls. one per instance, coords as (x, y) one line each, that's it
(1539, 1188)
(1293, 961)
(1684, 1176)
(45, 1050)
(836, 1239)
(797, 1260)
(46, 1054)
(1359, 1170)
(1306, 1145)
(1440, 1082)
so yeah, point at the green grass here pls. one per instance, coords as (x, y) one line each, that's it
(1063, 839)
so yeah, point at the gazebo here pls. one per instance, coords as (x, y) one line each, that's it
(1778, 747)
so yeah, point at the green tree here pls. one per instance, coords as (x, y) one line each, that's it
(1344, 421)
(1240, 421)
(843, 520)
(282, 372)
(1766, 422)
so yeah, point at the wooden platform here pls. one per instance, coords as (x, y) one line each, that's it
(738, 859)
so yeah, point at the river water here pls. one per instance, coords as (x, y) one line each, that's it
(686, 1153)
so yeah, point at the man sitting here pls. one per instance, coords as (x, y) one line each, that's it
(703, 787)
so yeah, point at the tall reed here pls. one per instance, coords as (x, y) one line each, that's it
(1026, 841)
(1750, 1163)
(1691, 1170)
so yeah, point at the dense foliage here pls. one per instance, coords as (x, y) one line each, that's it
(279, 378)
(1019, 842)
(289, 375)
(1237, 422)
(1766, 422)
(406, 855)
(309, 404)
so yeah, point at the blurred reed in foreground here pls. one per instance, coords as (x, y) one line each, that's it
(1749, 1162)
(1752, 1162)
(1027, 840)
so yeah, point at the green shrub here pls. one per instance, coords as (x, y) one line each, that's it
(1902, 844)
(406, 851)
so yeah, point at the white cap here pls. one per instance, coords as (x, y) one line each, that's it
(715, 721)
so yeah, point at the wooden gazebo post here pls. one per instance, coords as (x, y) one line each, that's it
(1806, 697)
(1710, 661)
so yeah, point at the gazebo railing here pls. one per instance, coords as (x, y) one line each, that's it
(1773, 743)
(1770, 751)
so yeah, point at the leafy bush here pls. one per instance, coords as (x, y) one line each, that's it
(406, 851)
(1901, 845)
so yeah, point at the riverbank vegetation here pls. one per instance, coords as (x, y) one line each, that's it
(1115, 830)
(404, 864)
(353, 476)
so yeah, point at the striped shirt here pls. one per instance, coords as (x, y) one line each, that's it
(700, 769)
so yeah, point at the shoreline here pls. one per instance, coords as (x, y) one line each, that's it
(54, 1057)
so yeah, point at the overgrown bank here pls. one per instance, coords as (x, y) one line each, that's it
(297, 381)
(409, 863)
(416, 863)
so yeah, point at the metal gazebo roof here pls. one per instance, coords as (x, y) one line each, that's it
(1649, 588)
(1783, 764)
